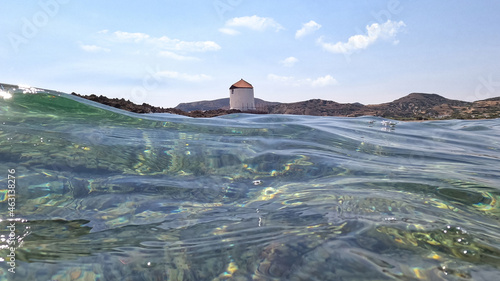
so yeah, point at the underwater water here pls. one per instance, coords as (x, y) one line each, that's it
(103, 194)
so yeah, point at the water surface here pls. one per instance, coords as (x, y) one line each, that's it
(103, 194)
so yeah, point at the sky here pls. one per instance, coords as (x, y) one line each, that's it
(165, 52)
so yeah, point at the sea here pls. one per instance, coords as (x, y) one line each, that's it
(90, 192)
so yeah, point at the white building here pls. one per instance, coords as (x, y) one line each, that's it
(241, 96)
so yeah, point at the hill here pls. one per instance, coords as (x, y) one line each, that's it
(419, 106)
(218, 104)
(317, 107)
(415, 106)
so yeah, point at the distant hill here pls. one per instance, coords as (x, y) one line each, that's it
(415, 106)
(204, 105)
(418, 105)
(218, 104)
(317, 107)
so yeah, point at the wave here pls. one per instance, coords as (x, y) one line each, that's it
(114, 193)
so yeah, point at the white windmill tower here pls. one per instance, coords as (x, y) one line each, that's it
(241, 96)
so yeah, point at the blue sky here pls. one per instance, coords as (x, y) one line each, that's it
(168, 52)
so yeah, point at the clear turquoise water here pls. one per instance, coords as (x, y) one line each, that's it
(103, 194)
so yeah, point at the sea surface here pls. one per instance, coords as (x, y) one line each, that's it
(104, 194)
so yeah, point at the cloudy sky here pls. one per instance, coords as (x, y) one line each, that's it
(172, 51)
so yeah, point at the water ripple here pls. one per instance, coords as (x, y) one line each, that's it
(102, 194)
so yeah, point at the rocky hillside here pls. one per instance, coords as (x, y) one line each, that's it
(415, 106)
(147, 108)
(204, 105)
(317, 107)
(488, 108)
(418, 106)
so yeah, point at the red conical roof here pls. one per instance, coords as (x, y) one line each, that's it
(241, 84)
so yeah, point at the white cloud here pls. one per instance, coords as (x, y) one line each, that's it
(94, 48)
(326, 80)
(229, 31)
(166, 43)
(189, 46)
(172, 55)
(374, 32)
(307, 28)
(128, 36)
(184, 76)
(323, 81)
(282, 79)
(289, 62)
(254, 23)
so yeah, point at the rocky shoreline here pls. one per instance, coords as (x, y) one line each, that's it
(415, 106)
(147, 108)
